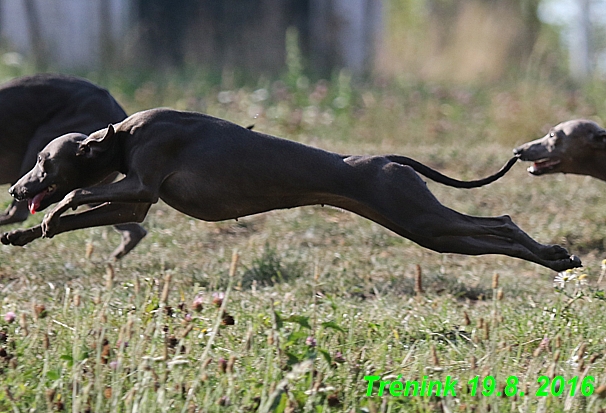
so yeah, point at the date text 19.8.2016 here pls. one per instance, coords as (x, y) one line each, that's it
(425, 387)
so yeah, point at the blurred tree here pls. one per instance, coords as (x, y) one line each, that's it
(245, 35)
(448, 16)
(163, 25)
(459, 40)
(35, 35)
(249, 35)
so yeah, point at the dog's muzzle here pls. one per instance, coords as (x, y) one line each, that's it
(18, 195)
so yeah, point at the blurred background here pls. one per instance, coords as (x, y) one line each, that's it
(435, 39)
(525, 63)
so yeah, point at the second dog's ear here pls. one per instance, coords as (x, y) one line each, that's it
(599, 139)
(93, 146)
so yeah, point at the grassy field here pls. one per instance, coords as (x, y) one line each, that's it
(321, 298)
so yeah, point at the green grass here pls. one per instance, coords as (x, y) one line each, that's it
(321, 297)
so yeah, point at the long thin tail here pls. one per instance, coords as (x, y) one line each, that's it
(443, 179)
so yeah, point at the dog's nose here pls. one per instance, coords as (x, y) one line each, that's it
(14, 192)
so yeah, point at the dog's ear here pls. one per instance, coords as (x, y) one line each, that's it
(598, 140)
(92, 147)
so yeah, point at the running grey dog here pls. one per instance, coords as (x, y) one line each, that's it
(36, 109)
(214, 170)
(574, 147)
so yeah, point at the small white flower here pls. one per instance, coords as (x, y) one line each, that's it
(564, 277)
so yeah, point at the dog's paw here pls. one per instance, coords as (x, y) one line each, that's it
(555, 253)
(5, 239)
(566, 264)
(576, 261)
(17, 237)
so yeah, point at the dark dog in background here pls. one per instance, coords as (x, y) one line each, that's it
(36, 109)
(214, 170)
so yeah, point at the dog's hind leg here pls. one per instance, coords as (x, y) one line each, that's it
(397, 198)
(131, 235)
(16, 212)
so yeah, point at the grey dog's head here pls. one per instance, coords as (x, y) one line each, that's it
(576, 146)
(68, 162)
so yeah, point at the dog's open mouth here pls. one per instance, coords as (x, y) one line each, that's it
(543, 166)
(34, 203)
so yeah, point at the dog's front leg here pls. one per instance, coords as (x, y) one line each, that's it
(101, 215)
(21, 237)
(50, 223)
(124, 191)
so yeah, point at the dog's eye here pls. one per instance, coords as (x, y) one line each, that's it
(551, 134)
(47, 165)
(83, 150)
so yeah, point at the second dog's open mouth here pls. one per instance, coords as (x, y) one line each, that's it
(34, 203)
(543, 166)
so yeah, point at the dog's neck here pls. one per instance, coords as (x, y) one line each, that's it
(594, 166)
(118, 152)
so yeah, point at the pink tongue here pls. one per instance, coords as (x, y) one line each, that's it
(34, 203)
